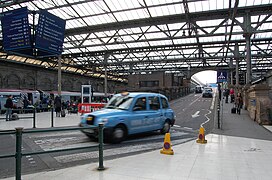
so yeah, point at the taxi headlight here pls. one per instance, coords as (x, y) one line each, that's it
(104, 120)
(89, 118)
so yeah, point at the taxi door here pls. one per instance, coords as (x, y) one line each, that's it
(138, 116)
(154, 113)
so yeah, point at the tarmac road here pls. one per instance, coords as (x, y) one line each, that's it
(191, 111)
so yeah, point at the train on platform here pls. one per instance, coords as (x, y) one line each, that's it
(44, 99)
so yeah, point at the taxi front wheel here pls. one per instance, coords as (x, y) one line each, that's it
(165, 128)
(118, 134)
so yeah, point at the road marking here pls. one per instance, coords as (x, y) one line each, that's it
(176, 126)
(208, 119)
(187, 128)
(196, 114)
(213, 100)
(116, 151)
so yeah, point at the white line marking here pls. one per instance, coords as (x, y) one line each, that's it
(213, 100)
(187, 128)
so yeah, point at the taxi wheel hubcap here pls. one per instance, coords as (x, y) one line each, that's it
(118, 133)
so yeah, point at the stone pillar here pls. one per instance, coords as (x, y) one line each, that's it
(259, 103)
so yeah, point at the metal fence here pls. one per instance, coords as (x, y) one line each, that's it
(32, 115)
(18, 132)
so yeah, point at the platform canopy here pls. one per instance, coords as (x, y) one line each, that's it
(141, 36)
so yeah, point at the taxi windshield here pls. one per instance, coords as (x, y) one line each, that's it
(119, 102)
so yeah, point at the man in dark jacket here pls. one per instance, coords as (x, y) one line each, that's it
(9, 106)
(57, 103)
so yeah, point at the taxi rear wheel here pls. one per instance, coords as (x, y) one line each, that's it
(118, 134)
(165, 128)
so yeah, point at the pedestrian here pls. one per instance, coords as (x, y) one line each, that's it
(239, 102)
(232, 97)
(57, 103)
(227, 92)
(9, 106)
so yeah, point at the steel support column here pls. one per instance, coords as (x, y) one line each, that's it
(247, 35)
(236, 55)
(59, 75)
(106, 56)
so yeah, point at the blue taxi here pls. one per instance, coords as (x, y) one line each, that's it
(131, 113)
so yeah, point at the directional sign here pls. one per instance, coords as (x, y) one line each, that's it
(222, 76)
(49, 33)
(16, 30)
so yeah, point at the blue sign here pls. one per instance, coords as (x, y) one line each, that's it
(49, 33)
(222, 76)
(16, 30)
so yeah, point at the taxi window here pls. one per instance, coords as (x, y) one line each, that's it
(140, 104)
(154, 103)
(164, 103)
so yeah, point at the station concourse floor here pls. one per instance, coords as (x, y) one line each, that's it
(241, 150)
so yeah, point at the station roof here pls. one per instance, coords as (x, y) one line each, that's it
(141, 36)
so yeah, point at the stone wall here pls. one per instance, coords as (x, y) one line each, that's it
(259, 105)
(20, 76)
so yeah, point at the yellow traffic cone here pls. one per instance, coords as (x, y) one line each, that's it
(201, 136)
(167, 146)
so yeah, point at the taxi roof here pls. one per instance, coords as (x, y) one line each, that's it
(134, 94)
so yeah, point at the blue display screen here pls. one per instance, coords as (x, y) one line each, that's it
(15, 29)
(49, 33)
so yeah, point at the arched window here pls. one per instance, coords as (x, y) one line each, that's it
(45, 84)
(13, 81)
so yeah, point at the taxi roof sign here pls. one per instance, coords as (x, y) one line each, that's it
(125, 93)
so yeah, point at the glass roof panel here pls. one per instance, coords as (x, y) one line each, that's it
(87, 13)
(130, 15)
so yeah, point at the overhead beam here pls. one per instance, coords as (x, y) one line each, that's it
(162, 47)
(179, 18)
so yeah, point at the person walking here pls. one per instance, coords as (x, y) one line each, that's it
(57, 103)
(227, 92)
(232, 96)
(239, 103)
(9, 106)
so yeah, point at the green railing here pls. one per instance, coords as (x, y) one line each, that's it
(32, 111)
(19, 136)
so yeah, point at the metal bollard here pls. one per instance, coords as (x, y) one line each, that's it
(34, 117)
(18, 155)
(52, 117)
(100, 140)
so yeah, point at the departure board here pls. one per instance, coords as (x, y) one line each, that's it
(15, 29)
(49, 33)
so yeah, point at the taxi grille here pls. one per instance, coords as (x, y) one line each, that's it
(90, 120)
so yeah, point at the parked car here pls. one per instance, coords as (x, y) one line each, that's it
(207, 92)
(130, 113)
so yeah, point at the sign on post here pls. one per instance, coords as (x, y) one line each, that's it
(222, 76)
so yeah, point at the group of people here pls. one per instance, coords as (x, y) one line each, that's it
(238, 100)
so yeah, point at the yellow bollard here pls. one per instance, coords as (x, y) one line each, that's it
(201, 136)
(167, 146)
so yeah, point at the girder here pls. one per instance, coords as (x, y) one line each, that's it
(81, 56)
(197, 16)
